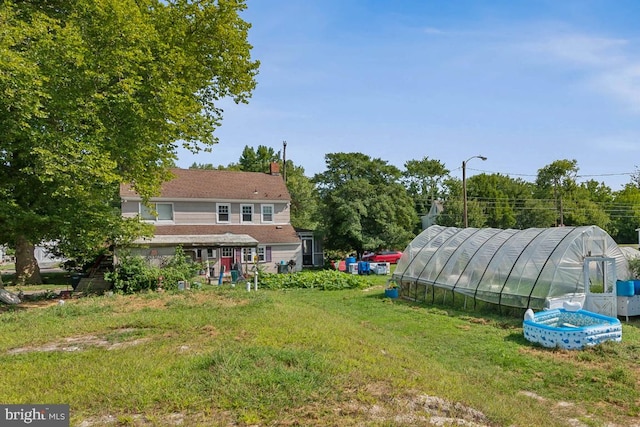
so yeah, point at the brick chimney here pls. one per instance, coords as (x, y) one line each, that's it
(274, 168)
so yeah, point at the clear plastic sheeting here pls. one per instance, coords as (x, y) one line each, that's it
(515, 268)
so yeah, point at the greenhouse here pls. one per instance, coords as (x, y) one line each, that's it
(534, 268)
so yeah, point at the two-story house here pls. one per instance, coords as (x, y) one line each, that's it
(220, 218)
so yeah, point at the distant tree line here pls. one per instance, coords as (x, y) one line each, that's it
(362, 203)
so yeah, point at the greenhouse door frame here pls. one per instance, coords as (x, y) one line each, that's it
(601, 302)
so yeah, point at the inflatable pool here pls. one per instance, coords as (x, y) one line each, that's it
(571, 329)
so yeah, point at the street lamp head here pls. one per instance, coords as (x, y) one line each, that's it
(464, 188)
(474, 157)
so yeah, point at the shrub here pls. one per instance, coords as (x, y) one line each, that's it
(323, 280)
(177, 268)
(634, 267)
(133, 274)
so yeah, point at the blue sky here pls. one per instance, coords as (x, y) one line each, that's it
(523, 83)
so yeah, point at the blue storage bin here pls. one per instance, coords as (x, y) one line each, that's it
(625, 288)
(364, 267)
(391, 293)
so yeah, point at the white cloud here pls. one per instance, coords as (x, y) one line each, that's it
(623, 83)
(432, 30)
(608, 65)
(623, 143)
(584, 50)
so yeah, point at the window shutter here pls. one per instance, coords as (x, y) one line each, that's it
(267, 253)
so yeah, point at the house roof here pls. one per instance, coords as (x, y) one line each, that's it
(263, 234)
(218, 184)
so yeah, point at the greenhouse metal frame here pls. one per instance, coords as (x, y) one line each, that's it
(532, 268)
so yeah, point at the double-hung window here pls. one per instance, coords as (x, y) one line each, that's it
(247, 254)
(267, 213)
(246, 213)
(223, 212)
(263, 254)
(157, 212)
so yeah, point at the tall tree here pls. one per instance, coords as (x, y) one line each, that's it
(558, 180)
(423, 180)
(536, 213)
(304, 198)
(258, 160)
(635, 178)
(364, 205)
(500, 196)
(204, 166)
(625, 214)
(453, 207)
(588, 205)
(101, 92)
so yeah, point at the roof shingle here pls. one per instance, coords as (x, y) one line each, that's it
(219, 184)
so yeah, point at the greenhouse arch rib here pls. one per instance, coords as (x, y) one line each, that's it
(454, 251)
(514, 265)
(444, 229)
(480, 246)
(545, 264)
(487, 267)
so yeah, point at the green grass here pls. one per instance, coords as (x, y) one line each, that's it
(225, 356)
(51, 280)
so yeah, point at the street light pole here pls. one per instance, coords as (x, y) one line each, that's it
(464, 188)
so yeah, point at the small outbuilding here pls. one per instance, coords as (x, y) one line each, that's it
(533, 268)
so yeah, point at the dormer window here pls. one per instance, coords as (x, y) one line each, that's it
(157, 212)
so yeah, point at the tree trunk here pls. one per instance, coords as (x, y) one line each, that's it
(27, 269)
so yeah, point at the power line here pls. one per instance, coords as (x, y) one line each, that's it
(536, 175)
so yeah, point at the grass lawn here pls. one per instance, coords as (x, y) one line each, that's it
(224, 356)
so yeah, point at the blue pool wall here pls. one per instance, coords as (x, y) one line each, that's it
(551, 329)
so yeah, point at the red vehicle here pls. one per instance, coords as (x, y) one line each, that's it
(383, 256)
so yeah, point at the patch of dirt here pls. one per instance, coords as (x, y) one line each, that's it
(573, 414)
(410, 410)
(131, 303)
(211, 330)
(81, 342)
(573, 357)
(375, 404)
(29, 304)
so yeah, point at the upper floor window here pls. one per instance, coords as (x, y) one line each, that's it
(157, 212)
(224, 210)
(247, 213)
(267, 213)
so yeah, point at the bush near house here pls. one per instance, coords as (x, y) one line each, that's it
(133, 273)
